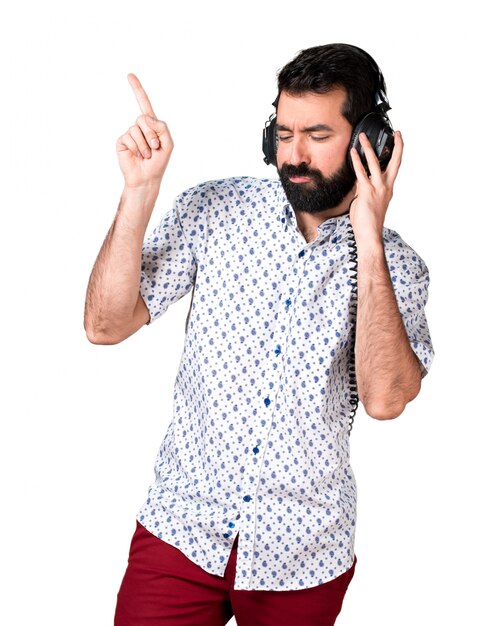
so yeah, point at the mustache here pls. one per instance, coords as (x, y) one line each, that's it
(302, 169)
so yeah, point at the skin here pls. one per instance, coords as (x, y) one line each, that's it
(324, 148)
(388, 372)
(114, 310)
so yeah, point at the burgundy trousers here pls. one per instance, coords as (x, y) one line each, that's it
(162, 587)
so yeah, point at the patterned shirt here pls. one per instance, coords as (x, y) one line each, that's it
(258, 443)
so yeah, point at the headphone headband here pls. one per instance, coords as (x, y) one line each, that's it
(381, 101)
(380, 96)
(378, 124)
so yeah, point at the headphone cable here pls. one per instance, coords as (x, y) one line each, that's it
(354, 399)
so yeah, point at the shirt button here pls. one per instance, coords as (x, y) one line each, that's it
(247, 498)
(277, 350)
(267, 401)
(231, 524)
(301, 253)
(255, 450)
(226, 535)
(288, 302)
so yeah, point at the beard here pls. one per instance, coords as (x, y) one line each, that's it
(322, 192)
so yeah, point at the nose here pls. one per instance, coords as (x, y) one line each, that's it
(297, 152)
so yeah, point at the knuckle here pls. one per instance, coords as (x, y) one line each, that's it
(145, 120)
(147, 125)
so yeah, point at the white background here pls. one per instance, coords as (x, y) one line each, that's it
(81, 424)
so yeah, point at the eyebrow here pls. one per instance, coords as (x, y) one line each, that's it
(309, 129)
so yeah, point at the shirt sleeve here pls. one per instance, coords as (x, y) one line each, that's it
(168, 265)
(410, 280)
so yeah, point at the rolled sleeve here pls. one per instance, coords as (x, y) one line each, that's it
(410, 279)
(168, 266)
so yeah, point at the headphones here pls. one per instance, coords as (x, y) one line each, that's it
(375, 124)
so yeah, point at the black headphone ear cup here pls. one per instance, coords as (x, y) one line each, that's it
(269, 141)
(379, 131)
(354, 141)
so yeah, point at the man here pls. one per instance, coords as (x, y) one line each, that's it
(254, 494)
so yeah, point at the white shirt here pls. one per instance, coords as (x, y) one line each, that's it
(258, 443)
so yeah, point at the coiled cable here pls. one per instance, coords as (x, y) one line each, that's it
(353, 260)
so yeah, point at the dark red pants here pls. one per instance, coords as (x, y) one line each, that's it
(162, 587)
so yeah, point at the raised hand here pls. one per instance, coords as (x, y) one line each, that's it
(374, 192)
(144, 150)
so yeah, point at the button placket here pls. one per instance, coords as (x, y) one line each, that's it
(253, 467)
(230, 525)
(247, 535)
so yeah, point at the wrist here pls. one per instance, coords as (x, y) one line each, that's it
(368, 230)
(139, 199)
(141, 193)
(370, 244)
(136, 206)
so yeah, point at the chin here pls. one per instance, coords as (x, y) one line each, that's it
(319, 195)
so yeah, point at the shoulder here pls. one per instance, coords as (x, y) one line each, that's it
(404, 263)
(223, 188)
(216, 198)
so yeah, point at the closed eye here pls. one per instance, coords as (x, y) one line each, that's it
(286, 138)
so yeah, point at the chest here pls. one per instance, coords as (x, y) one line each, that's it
(252, 278)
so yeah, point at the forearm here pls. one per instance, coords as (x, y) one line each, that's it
(113, 287)
(388, 372)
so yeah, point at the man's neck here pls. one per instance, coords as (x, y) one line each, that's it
(309, 222)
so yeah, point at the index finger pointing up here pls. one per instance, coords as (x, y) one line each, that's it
(141, 95)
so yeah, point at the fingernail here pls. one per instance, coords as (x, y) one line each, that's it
(154, 144)
(147, 153)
